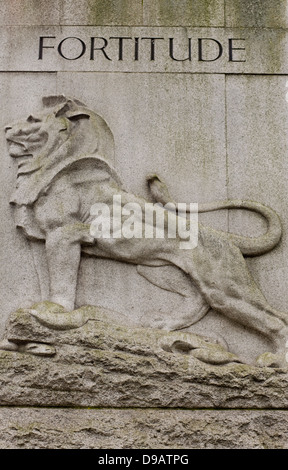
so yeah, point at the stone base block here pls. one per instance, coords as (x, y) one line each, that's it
(80, 359)
(36, 428)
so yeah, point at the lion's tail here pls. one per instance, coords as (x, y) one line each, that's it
(250, 246)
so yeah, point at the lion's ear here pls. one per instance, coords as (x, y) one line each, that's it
(72, 112)
(76, 115)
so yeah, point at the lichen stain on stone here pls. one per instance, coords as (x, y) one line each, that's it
(200, 12)
(260, 13)
(96, 10)
(103, 12)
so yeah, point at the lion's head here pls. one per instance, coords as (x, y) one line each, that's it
(65, 128)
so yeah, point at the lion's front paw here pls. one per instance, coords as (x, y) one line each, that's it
(38, 349)
(6, 345)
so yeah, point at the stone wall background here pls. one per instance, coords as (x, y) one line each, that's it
(214, 135)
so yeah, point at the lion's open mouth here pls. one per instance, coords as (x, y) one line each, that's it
(14, 145)
(17, 149)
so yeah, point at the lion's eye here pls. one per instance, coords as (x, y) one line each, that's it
(33, 119)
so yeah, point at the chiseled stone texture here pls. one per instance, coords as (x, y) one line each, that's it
(35, 428)
(79, 376)
(104, 364)
(258, 13)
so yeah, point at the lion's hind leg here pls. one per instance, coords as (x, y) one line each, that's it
(192, 305)
(219, 270)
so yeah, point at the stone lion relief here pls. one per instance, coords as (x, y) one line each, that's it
(64, 155)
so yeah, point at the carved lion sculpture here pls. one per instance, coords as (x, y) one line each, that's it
(64, 157)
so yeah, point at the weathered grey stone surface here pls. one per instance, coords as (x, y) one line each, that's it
(190, 13)
(236, 13)
(28, 428)
(259, 13)
(103, 364)
(257, 147)
(16, 257)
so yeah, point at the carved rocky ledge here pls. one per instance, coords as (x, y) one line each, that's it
(83, 358)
